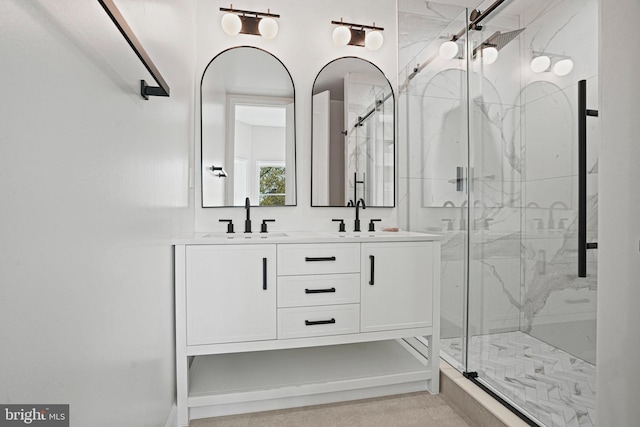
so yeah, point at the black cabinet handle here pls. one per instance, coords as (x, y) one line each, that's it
(373, 266)
(264, 274)
(326, 258)
(319, 291)
(319, 322)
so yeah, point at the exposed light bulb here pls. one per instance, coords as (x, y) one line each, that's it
(489, 55)
(341, 35)
(373, 40)
(268, 28)
(540, 63)
(231, 23)
(563, 67)
(448, 50)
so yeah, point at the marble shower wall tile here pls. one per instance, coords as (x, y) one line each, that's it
(552, 293)
(420, 23)
(562, 27)
(523, 129)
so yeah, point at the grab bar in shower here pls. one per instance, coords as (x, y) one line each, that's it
(583, 113)
(145, 90)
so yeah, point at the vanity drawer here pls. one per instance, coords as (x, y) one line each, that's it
(318, 258)
(323, 289)
(301, 322)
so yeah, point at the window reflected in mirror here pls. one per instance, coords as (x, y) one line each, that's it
(248, 130)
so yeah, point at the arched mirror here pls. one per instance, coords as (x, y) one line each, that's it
(247, 130)
(353, 140)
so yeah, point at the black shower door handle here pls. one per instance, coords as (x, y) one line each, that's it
(583, 113)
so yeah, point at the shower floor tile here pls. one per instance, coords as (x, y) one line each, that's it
(558, 389)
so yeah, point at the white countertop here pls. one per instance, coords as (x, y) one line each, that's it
(280, 237)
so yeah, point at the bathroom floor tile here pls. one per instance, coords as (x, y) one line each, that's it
(550, 384)
(413, 409)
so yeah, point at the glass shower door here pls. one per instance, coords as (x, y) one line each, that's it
(531, 317)
(433, 103)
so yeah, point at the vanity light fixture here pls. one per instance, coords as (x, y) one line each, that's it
(541, 62)
(237, 21)
(355, 35)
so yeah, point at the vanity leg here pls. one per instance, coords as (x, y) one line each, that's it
(182, 361)
(434, 340)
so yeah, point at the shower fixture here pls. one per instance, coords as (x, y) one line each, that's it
(489, 48)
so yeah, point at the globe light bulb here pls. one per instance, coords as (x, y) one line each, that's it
(489, 55)
(448, 50)
(540, 63)
(231, 23)
(373, 40)
(268, 28)
(563, 67)
(341, 36)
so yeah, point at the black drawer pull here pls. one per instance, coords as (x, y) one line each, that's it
(373, 266)
(319, 322)
(325, 258)
(319, 291)
(264, 274)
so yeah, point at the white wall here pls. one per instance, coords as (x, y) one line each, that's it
(93, 184)
(619, 213)
(304, 45)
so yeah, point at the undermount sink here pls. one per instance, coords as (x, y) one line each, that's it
(243, 236)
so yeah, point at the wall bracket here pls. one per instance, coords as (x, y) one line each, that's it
(145, 90)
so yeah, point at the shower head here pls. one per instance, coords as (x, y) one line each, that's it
(499, 40)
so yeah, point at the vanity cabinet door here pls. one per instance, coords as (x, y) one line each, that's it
(396, 285)
(231, 293)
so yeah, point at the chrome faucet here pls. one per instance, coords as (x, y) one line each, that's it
(247, 222)
(360, 203)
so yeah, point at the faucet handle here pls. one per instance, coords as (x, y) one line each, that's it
(229, 225)
(485, 223)
(372, 226)
(449, 224)
(263, 227)
(342, 229)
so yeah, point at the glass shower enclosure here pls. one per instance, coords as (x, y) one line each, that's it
(498, 113)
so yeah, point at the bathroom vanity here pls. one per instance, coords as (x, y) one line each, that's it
(267, 321)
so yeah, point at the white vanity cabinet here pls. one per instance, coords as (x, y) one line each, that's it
(397, 279)
(231, 293)
(272, 322)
